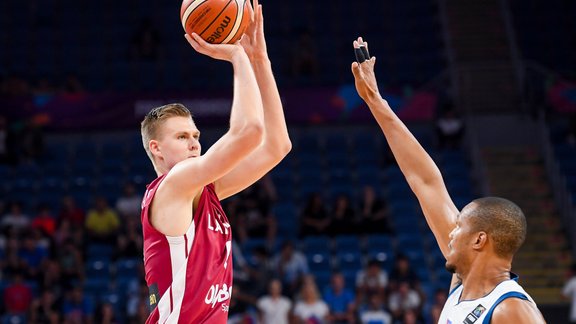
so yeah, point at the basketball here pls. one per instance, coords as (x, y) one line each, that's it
(216, 21)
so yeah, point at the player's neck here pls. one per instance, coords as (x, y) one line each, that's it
(483, 276)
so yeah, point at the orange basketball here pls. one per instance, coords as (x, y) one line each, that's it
(216, 21)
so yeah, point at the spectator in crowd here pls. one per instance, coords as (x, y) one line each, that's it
(12, 263)
(372, 280)
(146, 43)
(373, 213)
(44, 221)
(440, 297)
(129, 240)
(102, 222)
(17, 296)
(141, 314)
(315, 219)
(105, 314)
(340, 300)
(450, 129)
(45, 309)
(15, 218)
(343, 218)
(411, 317)
(310, 308)
(374, 312)
(77, 308)
(52, 278)
(305, 55)
(71, 262)
(255, 218)
(241, 307)
(274, 308)
(33, 256)
(291, 266)
(71, 213)
(138, 301)
(402, 272)
(569, 292)
(260, 271)
(404, 299)
(129, 203)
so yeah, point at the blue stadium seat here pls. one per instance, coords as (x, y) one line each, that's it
(127, 268)
(98, 268)
(313, 244)
(319, 260)
(349, 260)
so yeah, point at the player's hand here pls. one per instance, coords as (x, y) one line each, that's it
(225, 52)
(364, 77)
(253, 40)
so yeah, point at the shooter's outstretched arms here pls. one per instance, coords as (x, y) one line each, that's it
(420, 171)
(245, 134)
(276, 142)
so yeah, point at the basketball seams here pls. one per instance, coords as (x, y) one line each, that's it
(189, 10)
(237, 23)
(216, 18)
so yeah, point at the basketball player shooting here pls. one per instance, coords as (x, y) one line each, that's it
(187, 236)
(478, 242)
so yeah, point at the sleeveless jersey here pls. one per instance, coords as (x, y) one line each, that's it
(480, 310)
(189, 276)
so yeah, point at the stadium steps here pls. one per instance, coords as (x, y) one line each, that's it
(517, 174)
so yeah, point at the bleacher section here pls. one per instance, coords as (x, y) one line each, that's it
(93, 40)
(328, 161)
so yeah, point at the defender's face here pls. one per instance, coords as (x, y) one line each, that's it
(456, 259)
(178, 141)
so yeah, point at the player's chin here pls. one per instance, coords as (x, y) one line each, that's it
(450, 267)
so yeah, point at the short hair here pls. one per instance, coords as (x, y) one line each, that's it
(157, 116)
(502, 220)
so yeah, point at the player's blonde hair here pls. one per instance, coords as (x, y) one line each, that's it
(155, 118)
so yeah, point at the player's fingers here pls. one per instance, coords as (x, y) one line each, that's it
(355, 44)
(260, 14)
(256, 3)
(356, 70)
(192, 42)
(245, 39)
(361, 40)
(202, 46)
(197, 39)
(251, 11)
(365, 50)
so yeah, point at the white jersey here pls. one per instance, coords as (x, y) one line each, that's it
(480, 310)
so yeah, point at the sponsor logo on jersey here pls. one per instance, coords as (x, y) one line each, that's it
(218, 294)
(154, 296)
(474, 315)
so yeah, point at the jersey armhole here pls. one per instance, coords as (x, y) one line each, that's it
(512, 294)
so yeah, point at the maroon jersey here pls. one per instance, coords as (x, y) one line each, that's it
(189, 276)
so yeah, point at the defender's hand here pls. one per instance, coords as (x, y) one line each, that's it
(364, 77)
(224, 52)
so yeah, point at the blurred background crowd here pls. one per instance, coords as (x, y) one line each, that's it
(333, 234)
